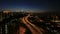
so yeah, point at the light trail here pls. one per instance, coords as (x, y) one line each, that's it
(29, 26)
(32, 26)
(38, 29)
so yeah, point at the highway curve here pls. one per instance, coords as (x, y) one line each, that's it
(33, 28)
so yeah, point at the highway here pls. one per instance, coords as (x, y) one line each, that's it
(33, 28)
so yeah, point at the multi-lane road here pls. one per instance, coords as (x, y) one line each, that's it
(33, 28)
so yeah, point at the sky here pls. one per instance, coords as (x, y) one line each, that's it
(30, 4)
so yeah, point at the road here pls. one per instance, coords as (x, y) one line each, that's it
(33, 28)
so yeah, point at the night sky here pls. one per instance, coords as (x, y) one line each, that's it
(30, 4)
